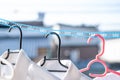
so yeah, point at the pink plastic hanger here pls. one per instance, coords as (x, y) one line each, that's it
(98, 60)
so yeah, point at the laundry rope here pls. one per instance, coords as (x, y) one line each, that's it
(73, 33)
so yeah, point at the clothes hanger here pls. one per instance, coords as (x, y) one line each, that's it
(97, 59)
(58, 54)
(20, 47)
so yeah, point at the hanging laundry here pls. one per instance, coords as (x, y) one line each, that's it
(72, 73)
(25, 69)
(9, 65)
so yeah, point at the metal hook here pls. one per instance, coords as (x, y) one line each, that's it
(20, 47)
(58, 53)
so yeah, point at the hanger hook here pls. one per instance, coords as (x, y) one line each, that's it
(58, 52)
(20, 34)
(103, 44)
(11, 27)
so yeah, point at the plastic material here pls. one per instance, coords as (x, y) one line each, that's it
(98, 60)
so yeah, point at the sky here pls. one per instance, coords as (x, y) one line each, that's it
(106, 13)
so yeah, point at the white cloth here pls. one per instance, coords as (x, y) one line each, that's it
(109, 76)
(25, 69)
(10, 66)
(112, 51)
(72, 73)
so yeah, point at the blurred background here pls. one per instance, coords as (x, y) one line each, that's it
(81, 15)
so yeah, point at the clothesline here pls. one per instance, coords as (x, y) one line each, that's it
(73, 33)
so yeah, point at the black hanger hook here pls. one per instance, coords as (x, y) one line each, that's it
(58, 52)
(59, 46)
(20, 47)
